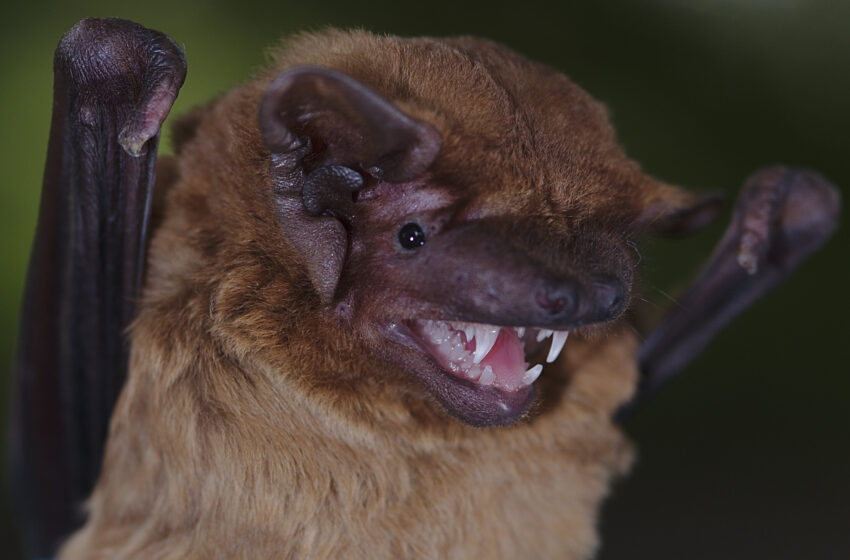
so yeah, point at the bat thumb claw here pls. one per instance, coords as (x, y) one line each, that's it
(751, 250)
(162, 82)
(115, 60)
(748, 262)
(133, 143)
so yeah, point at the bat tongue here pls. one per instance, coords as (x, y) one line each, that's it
(484, 354)
(506, 359)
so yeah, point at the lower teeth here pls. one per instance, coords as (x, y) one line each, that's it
(487, 377)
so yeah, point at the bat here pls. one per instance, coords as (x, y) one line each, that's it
(386, 303)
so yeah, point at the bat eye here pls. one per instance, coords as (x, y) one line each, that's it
(411, 236)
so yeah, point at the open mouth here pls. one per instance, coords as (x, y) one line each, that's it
(488, 355)
(479, 372)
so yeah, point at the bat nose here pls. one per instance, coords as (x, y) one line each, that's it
(568, 302)
(608, 297)
(559, 300)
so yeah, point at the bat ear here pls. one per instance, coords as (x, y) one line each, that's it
(672, 211)
(327, 114)
(325, 131)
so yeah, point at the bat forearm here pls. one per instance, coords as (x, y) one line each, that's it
(782, 216)
(114, 84)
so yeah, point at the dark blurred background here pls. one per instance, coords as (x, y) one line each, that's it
(747, 455)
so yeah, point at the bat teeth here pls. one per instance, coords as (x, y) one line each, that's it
(532, 374)
(487, 376)
(558, 340)
(437, 331)
(452, 341)
(485, 338)
(542, 334)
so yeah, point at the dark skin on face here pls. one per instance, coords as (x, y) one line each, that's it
(391, 230)
(483, 270)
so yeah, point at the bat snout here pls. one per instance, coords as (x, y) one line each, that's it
(496, 280)
(572, 303)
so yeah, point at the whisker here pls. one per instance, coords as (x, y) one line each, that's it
(666, 295)
(634, 246)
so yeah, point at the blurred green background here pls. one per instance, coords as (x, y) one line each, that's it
(748, 454)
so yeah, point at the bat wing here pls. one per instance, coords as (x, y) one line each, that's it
(782, 216)
(114, 83)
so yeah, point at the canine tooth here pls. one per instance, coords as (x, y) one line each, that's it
(558, 340)
(487, 376)
(469, 331)
(520, 332)
(484, 340)
(543, 334)
(532, 374)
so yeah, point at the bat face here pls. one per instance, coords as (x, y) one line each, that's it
(463, 291)
(456, 225)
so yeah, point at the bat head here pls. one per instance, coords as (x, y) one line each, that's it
(444, 206)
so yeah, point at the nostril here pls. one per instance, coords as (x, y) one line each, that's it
(616, 302)
(558, 299)
(554, 306)
(609, 296)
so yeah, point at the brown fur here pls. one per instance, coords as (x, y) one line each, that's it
(253, 425)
